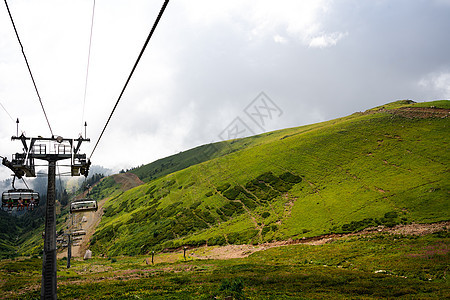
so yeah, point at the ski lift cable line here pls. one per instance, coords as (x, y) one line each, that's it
(28, 66)
(25, 183)
(132, 71)
(88, 62)
(7, 112)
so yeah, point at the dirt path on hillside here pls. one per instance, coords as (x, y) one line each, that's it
(90, 220)
(127, 180)
(240, 251)
(415, 112)
(422, 112)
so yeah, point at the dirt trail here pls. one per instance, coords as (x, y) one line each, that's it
(239, 251)
(422, 112)
(92, 219)
(127, 180)
(415, 112)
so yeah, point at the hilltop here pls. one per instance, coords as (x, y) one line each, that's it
(381, 167)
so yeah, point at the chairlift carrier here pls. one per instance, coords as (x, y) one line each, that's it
(11, 198)
(83, 205)
(79, 232)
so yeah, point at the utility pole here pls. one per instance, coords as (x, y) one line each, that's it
(69, 240)
(22, 164)
(69, 249)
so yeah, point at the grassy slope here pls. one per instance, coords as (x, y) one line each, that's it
(357, 171)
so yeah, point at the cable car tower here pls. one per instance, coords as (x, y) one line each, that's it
(52, 150)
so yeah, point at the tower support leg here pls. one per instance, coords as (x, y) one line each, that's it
(48, 283)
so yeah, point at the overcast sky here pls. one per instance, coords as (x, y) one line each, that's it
(213, 69)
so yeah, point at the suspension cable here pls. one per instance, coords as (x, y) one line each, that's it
(87, 68)
(60, 184)
(132, 71)
(29, 69)
(23, 179)
(7, 112)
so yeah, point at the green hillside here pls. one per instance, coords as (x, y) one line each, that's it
(385, 166)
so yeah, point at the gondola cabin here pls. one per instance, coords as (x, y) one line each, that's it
(83, 205)
(20, 198)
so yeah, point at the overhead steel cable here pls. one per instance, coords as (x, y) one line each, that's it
(23, 179)
(7, 112)
(132, 71)
(88, 61)
(28, 65)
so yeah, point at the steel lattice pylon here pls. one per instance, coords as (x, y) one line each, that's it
(22, 164)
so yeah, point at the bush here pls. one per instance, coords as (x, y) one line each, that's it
(232, 193)
(265, 214)
(218, 240)
(247, 202)
(223, 187)
(232, 208)
(242, 237)
(291, 178)
(391, 215)
(265, 230)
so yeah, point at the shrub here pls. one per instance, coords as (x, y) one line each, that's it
(265, 214)
(265, 230)
(195, 205)
(218, 240)
(291, 178)
(247, 202)
(232, 208)
(232, 193)
(223, 187)
(242, 237)
(391, 215)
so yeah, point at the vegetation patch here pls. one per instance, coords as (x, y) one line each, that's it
(390, 219)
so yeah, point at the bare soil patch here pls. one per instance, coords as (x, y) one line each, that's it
(240, 251)
(127, 180)
(92, 219)
(419, 112)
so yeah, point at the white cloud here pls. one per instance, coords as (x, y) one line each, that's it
(299, 20)
(279, 39)
(326, 40)
(438, 83)
(205, 63)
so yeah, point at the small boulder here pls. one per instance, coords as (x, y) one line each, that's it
(88, 254)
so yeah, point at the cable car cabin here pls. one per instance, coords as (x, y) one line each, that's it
(20, 198)
(83, 205)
